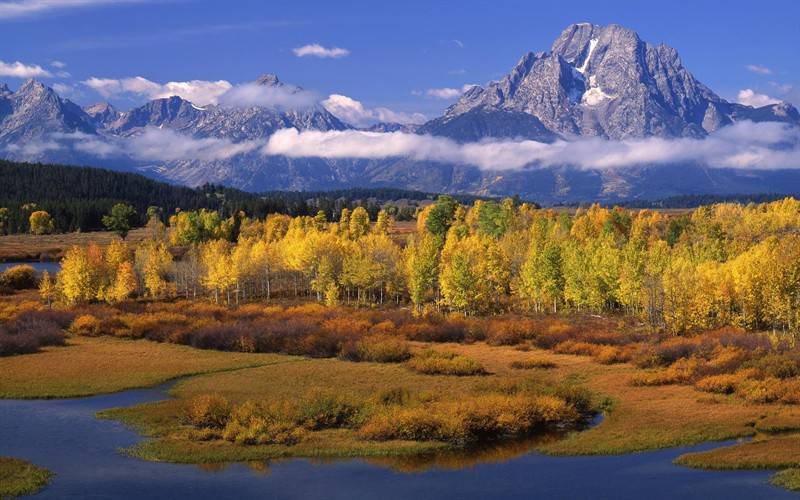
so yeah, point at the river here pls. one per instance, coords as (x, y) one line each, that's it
(50, 267)
(64, 436)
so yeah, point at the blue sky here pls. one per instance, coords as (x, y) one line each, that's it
(395, 51)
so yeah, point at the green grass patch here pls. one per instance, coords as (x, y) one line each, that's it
(18, 477)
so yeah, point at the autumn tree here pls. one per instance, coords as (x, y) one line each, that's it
(40, 222)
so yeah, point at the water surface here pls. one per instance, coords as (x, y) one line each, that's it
(50, 267)
(64, 436)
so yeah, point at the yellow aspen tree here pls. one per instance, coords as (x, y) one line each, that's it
(76, 277)
(421, 265)
(384, 223)
(48, 290)
(359, 223)
(124, 284)
(153, 262)
(220, 275)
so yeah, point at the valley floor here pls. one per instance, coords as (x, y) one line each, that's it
(637, 418)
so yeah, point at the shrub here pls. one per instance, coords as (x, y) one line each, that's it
(395, 396)
(510, 331)
(488, 416)
(791, 392)
(86, 324)
(28, 333)
(680, 372)
(529, 364)
(423, 332)
(665, 353)
(251, 423)
(553, 332)
(19, 278)
(780, 366)
(432, 362)
(725, 383)
(768, 390)
(379, 349)
(208, 411)
(62, 318)
(609, 355)
(327, 411)
(158, 326)
(577, 347)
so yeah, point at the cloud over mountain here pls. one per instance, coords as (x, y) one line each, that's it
(20, 70)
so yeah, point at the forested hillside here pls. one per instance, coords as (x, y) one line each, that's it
(78, 197)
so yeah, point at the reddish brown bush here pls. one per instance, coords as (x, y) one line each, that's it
(27, 334)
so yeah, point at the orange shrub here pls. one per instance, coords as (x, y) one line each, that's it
(432, 362)
(510, 331)
(160, 326)
(86, 324)
(207, 410)
(768, 390)
(577, 347)
(725, 383)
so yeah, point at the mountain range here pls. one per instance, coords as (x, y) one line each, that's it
(600, 82)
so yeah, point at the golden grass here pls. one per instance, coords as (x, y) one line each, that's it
(18, 477)
(87, 366)
(764, 453)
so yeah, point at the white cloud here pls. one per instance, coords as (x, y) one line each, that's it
(744, 145)
(447, 92)
(58, 64)
(20, 70)
(354, 112)
(761, 70)
(67, 90)
(282, 97)
(749, 97)
(155, 144)
(317, 50)
(21, 8)
(34, 148)
(199, 92)
(458, 43)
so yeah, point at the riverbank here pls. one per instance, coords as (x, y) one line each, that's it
(424, 398)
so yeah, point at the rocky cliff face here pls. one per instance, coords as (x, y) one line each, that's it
(605, 81)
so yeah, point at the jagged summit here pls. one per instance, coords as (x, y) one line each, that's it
(269, 80)
(606, 81)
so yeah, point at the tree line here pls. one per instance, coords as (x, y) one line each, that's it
(77, 198)
(724, 264)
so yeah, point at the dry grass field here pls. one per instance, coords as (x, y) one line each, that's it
(51, 247)
(87, 366)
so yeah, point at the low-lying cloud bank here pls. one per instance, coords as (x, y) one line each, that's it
(745, 145)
